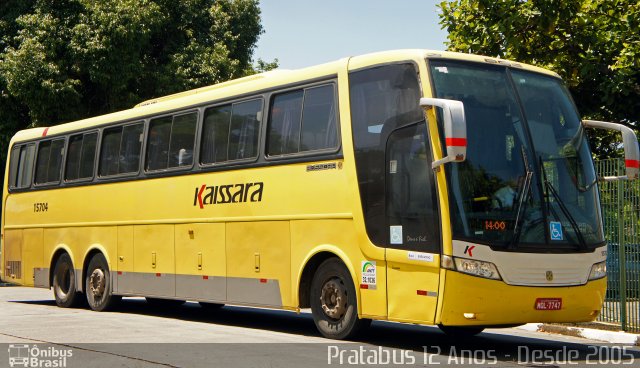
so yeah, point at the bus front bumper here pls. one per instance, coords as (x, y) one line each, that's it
(470, 300)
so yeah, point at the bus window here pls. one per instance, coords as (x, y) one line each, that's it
(81, 156)
(49, 161)
(120, 151)
(170, 142)
(183, 135)
(215, 135)
(158, 143)
(284, 125)
(319, 128)
(231, 132)
(296, 126)
(244, 130)
(382, 99)
(21, 166)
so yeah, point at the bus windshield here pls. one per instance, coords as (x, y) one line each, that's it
(528, 180)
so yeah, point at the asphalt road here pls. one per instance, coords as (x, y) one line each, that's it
(32, 327)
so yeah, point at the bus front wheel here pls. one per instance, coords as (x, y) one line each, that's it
(98, 285)
(334, 302)
(64, 282)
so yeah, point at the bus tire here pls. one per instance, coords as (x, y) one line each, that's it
(461, 332)
(334, 301)
(98, 286)
(64, 282)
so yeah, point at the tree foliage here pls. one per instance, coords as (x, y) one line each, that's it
(593, 44)
(62, 60)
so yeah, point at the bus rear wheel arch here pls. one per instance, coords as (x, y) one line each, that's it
(98, 285)
(334, 301)
(65, 289)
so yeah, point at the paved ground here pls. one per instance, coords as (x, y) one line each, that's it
(137, 335)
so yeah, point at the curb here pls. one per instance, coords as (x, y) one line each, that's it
(615, 337)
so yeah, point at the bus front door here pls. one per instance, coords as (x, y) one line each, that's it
(413, 251)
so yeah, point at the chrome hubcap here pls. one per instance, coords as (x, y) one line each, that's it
(334, 299)
(97, 282)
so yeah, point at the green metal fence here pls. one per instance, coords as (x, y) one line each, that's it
(621, 212)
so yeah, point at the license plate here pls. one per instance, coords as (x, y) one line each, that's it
(548, 304)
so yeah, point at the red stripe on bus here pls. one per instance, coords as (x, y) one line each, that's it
(632, 163)
(264, 281)
(205, 277)
(119, 272)
(158, 274)
(364, 286)
(422, 292)
(44, 133)
(456, 142)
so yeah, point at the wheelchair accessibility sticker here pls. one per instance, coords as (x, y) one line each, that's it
(555, 229)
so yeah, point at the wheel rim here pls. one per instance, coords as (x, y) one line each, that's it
(333, 298)
(97, 283)
(64, 280)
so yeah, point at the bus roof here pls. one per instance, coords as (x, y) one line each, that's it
(256, 83)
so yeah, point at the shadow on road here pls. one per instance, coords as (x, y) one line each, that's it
(422, 339)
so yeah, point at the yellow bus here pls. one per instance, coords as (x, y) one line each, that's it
(413, 186)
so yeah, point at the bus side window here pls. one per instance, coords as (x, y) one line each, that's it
(319, 129)
(170, 142)
(130, 148)
(284, 124)
(49, 161)
(120, 152)
(110, 151)
(245, 130)
(215, 135)
(183, 135)
(303, 120)
(383, 98)
(21, 166)
(81, 156)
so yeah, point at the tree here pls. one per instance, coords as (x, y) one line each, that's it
(593, 44)
(63, 60)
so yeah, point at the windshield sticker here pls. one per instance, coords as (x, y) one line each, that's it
(396, 234)
(442, 69)
(555, 228)
(369, 274)
(419, 256)
(393, 167)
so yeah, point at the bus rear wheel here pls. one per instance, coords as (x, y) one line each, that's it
(98, 285)
(334, 302)
(64, 282)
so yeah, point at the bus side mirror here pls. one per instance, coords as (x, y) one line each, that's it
(630, 143)
(455, 128)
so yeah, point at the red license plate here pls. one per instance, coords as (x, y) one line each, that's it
(548, 304)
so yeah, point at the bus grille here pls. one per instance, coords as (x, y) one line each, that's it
(14, 269)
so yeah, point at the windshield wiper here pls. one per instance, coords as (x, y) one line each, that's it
(563, 207)
(523, 191)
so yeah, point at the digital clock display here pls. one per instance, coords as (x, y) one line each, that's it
(495, 225)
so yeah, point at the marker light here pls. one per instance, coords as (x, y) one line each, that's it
(477, 268)
(598, 271)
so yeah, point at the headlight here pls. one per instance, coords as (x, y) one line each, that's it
(598, 271)
(477, 268)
